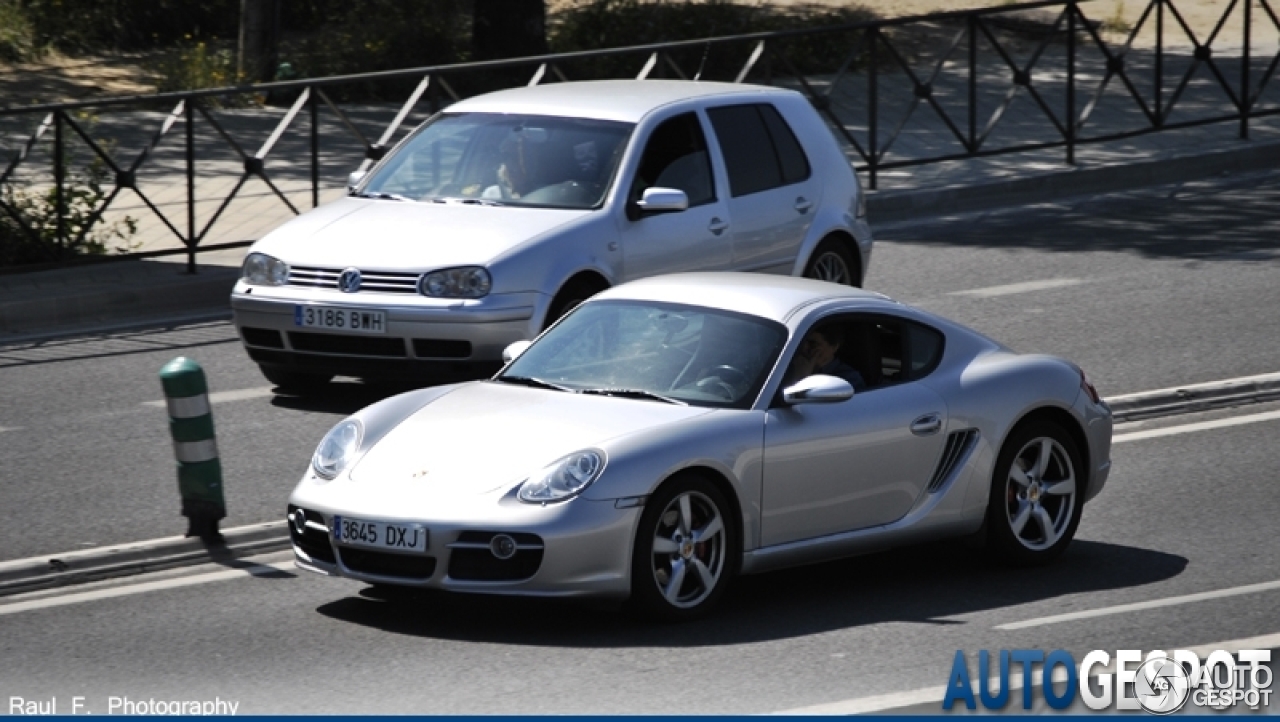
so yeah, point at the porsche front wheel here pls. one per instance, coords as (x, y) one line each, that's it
(684, 551)
(1037, 495)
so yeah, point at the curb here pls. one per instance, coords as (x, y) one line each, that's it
(891, 207)
(90, 565)
(25, 575)
(129, 290)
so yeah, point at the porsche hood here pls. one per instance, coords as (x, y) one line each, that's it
(486, 437)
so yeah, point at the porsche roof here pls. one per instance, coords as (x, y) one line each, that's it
(620, 100)
(759, 294)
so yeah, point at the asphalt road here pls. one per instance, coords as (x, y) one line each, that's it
(1145, 290)
(1186, 514)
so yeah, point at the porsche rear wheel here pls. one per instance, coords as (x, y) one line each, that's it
(685, 551)
(1037, 495)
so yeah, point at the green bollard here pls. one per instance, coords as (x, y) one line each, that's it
(186, 395)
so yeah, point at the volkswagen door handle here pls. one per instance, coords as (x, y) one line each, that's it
(717, 226)
(803, 204)
(927, 424)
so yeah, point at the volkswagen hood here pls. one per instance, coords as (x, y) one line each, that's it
(395, 235)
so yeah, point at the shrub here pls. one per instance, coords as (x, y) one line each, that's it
(34, 238)
(92, 25)
(17, 38)
(594, 24)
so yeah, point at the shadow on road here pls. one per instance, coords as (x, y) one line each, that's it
(926, 585)
(1232, 219)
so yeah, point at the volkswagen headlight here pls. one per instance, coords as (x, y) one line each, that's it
(564, 479)
(337, 448)
(464, 282)
(263, 270)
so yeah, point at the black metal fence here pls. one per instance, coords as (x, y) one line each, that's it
(899, 93)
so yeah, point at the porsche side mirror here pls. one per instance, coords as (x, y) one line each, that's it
(818, 389)
(354, 179)
(510, 353)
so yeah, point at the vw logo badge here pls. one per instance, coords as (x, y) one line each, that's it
(349, 281)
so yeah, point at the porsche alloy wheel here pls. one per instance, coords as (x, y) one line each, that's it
(1037, 494)
(683, 557)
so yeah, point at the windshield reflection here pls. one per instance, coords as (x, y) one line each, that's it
(657, 352)
(499, 159)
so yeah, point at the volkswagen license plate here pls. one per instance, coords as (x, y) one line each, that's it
(340, 319)
(382, 535)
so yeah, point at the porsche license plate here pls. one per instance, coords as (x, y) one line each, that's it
(383, 535)
(340, 319)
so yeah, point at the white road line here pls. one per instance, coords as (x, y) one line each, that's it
(9, 428)
(225, 396)
(1024, 287)
(1198, 426)
(1139, 606)
(926, 695)
(80, 597)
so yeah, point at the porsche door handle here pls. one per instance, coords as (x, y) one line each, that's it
(803, 205)
(927, 424)
(717, 226)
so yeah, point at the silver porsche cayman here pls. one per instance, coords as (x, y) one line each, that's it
(673, 432)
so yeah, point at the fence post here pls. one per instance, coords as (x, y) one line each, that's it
(59, 182)
(1071, 83)
(189, 108)
(1244, 72)
(312, 101)
(186, 395)
(872, 110)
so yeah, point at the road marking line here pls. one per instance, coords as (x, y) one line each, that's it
(225, 396)
(1198, 426)
(1139, 606)
(1024, 287)
(9, 428)
(926, 695)
(79, 597)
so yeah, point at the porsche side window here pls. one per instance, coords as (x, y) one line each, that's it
(872, 345)
(760, 151)
(676, 157)
(924, 349)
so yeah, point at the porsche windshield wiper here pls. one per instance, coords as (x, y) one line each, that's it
(530, 381)
(633, 394)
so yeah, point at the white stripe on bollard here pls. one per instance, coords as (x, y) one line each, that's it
(194, 452)
(188, 407)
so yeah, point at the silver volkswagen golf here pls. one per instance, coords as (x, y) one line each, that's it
(495, 217)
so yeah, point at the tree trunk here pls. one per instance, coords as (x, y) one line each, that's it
(259, 40)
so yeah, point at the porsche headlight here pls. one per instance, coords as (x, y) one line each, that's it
(464, 282)
(336, 448)
(564, 479)
(263, 270)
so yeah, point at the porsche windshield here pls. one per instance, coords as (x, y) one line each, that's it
(499, 159)
(654, 351)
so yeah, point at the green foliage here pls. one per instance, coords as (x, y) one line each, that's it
(94, 25)
(373, 35)
(596, 24)
(197, 64)
(35, 238)
(17, 38)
